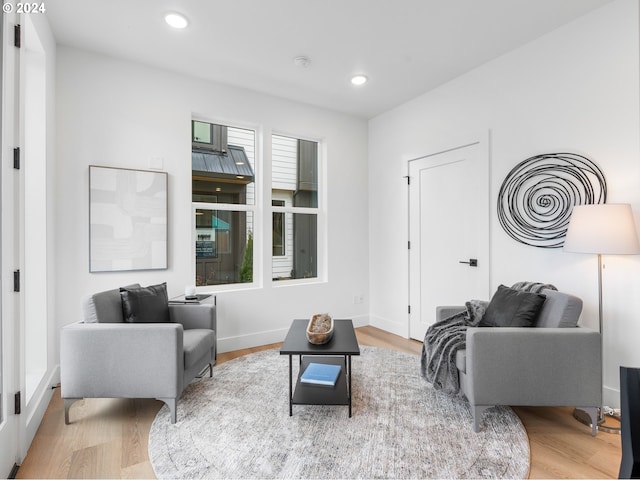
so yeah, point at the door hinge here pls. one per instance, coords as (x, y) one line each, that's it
(409, 245)
(16, 158)
(409, 309)
(16, 35)
(16, 281)
(17, 402)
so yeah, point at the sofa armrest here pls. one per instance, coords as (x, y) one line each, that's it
(448, 310)
(194, 315)
(121, 360)
(534, 366)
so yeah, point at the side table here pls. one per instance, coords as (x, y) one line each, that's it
(200, 298)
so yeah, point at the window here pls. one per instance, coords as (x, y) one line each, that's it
(294, 194)
(224, 204)
(209, 136)
(279, 231)
(223, 198)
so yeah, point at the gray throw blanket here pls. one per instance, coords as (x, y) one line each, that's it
(444, 338)
(441, 344)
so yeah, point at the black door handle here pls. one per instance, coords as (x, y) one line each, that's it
(473, 262)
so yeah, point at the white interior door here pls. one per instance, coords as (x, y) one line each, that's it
(448, 225)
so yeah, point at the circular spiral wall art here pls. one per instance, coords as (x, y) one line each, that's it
(537, 197)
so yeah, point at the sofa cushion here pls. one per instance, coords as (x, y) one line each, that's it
(103, 307)
(559, 310)
(197, 342)
(145, 304)
(89, 313)
(512, 308)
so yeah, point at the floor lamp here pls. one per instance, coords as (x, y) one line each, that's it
(603, 229)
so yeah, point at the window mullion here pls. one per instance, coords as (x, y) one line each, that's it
(228, 207)
(289, 209)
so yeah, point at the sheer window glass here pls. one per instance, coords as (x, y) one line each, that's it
(294, 193)
(223, 199)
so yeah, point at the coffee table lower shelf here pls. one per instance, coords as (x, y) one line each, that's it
(310, 394)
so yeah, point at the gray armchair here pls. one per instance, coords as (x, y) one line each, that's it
(104, 357)
(555, 363)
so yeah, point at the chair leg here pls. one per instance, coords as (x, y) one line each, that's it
(210, 370)
(67, 405)
(173, 410)
(594, 415)
(477, 411)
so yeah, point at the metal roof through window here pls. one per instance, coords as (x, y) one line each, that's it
(231, 165)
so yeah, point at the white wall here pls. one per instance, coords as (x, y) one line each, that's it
(116, 113)
(575, 89)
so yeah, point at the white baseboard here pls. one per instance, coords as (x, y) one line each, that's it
(257, 339)
(400, 329)
(361, 321)
(229, 344)
(611, 397)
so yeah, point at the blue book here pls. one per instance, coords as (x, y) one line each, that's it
(321, 374)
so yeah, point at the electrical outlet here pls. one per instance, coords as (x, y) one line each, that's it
(357, 299)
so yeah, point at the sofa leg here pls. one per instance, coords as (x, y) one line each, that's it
(173, 410)
(67, 405)
(210, 370)
(477, 411)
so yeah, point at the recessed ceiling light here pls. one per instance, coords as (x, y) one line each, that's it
(176, 20)
(359, 79)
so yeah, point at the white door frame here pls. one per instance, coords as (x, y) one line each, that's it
(9, 260)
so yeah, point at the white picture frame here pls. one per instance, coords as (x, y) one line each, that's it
(127, 219)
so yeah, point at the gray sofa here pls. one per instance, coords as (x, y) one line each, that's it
(555, 363)
(105, 357)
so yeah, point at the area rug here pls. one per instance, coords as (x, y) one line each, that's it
(237, 425)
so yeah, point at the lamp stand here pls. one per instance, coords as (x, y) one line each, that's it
(578, 414)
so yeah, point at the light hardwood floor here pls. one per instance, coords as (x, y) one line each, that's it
(109, 437)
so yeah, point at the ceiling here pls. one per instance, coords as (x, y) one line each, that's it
(405, 47)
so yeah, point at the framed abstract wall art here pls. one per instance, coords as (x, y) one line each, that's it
(127, 219)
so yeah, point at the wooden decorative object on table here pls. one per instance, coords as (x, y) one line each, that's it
(320, 329)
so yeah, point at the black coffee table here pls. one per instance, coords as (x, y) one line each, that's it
(337, 351)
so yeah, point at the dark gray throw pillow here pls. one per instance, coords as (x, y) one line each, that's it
(145, 304)
(512, 308)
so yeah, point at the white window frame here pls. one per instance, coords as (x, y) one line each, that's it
(253, 208)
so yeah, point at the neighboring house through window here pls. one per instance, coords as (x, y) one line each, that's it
(224, 203)
(295, 208)
(223, 196)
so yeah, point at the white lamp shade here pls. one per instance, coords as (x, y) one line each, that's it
(604, 228)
